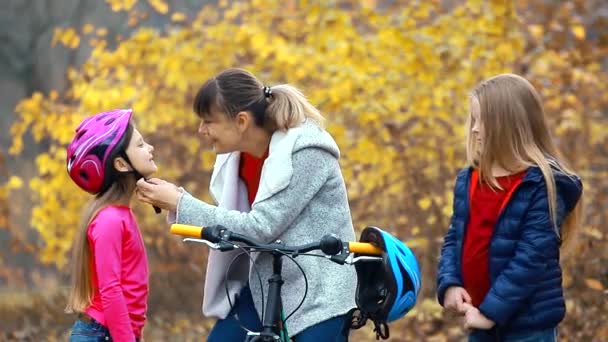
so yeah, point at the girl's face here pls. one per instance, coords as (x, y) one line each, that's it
(476, 125)
(223, 133)
(140, 155)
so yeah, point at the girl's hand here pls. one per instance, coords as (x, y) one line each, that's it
(474, 319)
(455, 297)
(158, 192)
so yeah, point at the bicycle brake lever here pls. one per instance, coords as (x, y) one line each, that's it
(205, 242)
(351, 259)
(340, 259)
(220, 246)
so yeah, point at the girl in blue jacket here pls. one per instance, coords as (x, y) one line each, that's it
(514, 206)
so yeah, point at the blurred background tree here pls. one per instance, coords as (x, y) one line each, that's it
(392, 78)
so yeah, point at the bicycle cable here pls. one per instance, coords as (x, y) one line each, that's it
(305, 283)
(244, 251)
(258, 250)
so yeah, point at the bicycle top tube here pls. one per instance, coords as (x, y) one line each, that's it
(329, 244)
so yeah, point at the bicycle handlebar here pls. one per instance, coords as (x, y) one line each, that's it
(329, 244)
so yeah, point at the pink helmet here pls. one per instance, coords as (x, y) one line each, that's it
(90, 150)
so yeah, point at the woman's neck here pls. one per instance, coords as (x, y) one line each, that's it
(257, 142)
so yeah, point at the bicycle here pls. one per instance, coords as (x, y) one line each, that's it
(334, 249)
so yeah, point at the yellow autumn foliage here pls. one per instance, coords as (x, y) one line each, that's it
(392, 78)
(392, 81)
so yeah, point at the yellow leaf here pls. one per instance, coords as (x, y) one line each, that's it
(14, 183)
(418, 242)
(133, 20)
(68, 37)
(424, 203)
(593, 232)
(178, 17)
(423, 11)
(87, 28)
(74, 43)
(567, 279)
(159, 6)
(594, 284)
(578, 31)
(121, 5)
(536, 31)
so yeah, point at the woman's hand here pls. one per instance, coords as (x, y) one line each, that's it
(455, 298)
(158, 192)
(474, 319)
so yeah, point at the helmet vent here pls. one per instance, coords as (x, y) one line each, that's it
(407, 281)
(80, 134)
(83, 175)
(101, 116)
(109, 122)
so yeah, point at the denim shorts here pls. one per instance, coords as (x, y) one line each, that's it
(91, 331)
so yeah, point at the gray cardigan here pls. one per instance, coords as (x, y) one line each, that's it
(301, 197)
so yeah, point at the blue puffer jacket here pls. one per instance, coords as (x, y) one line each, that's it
(525, 275)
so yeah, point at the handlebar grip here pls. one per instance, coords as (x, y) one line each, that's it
(187, 230)
(364, 248)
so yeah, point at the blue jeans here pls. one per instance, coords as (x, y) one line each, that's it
(89, 332)
(243, 312)
(547, 335)
(332, 330)
(229, 329)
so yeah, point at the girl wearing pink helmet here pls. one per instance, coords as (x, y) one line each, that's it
(110, 269)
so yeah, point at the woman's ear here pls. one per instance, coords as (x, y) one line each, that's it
(243, 120)
(121, 165)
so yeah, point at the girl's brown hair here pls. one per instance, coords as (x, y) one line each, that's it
(516, 134)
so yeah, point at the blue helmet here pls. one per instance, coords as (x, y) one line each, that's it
(387, 293)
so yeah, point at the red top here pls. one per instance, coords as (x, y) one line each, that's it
(120, 273)
(250, 171)
(486, 205)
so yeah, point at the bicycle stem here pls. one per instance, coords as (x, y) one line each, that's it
(273, 308)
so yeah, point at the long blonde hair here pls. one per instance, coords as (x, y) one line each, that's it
(516, 135)
(279, 107)
(121, 189)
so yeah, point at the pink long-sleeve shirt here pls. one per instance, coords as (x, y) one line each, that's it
(120, 273)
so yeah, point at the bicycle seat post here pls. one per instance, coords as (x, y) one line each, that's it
(272, 315)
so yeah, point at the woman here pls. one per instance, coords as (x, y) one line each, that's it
(276, 176)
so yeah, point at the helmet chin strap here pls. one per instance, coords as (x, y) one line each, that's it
(137, 175)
